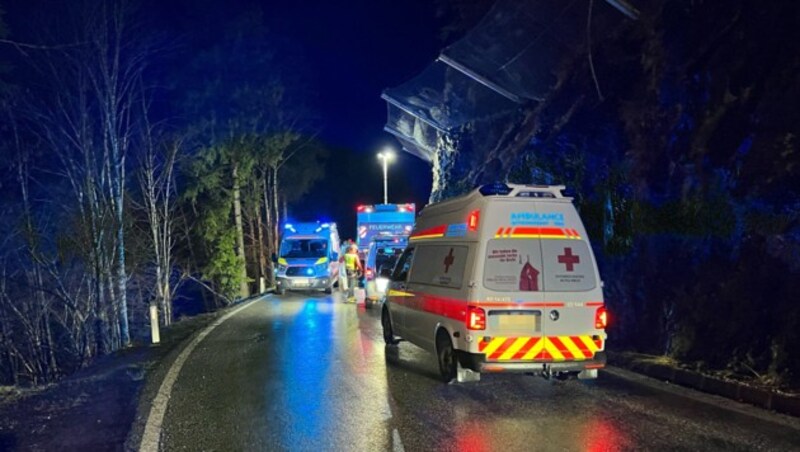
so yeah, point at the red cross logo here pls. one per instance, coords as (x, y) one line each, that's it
(568, 259)
(448, 261)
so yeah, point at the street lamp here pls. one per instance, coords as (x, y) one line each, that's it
(385, 156)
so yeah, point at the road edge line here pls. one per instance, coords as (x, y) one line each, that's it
(151, 437)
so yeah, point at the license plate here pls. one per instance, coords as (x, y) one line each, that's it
(301, 282)
(519, 322)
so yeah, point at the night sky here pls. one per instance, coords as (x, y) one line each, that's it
(350, 52)
(357, 49)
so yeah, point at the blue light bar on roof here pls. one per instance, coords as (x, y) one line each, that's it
(497, 188)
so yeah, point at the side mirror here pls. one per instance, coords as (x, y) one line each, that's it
(334, 256)
(386, 273)
(274, 258)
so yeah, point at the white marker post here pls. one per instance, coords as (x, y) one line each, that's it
(154, 333)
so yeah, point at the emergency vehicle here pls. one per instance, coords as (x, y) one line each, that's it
(382, 220)
(383, 253)
(502, 279)
(308, 257)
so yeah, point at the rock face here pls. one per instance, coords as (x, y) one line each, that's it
(684, 157)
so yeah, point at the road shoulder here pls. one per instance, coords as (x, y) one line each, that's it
(94, 408)
(763, 398)
(154, 396)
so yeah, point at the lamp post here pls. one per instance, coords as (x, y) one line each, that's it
(386, 156)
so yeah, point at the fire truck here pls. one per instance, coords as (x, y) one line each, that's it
(382, 220)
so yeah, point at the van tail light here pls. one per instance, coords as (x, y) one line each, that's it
(369, 274)
(472, 220)
(476, 318)
(601, 318)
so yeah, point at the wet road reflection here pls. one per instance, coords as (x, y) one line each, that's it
(305, 369)
(307, 372)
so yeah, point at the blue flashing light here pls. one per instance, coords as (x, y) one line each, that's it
(497, 188)
(309, 271)
(325, 225)
(288, 226)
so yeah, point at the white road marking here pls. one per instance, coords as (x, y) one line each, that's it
(152, 430)
(397, 443)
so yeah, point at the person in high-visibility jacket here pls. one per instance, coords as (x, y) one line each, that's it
(352, 265)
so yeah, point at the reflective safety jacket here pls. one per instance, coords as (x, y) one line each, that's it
(351, 261)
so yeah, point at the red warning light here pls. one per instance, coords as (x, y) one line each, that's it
(472, 220)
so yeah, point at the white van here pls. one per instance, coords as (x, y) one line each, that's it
(308, 257)
(502, 279)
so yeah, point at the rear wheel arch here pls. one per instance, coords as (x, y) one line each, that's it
(442, 326)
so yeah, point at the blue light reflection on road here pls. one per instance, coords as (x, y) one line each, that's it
(305, 367)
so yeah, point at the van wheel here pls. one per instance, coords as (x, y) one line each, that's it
(280, 291)
(448, 364)
(388, 332)
(329, 290)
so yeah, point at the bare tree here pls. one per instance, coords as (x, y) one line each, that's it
(157, 183)
(89, 122)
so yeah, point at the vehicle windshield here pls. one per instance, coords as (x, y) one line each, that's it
(386, 257)
(293, 248)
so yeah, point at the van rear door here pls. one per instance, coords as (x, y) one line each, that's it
(511, 286)
(570, 283)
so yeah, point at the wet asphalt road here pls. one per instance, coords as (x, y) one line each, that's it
(307, 372)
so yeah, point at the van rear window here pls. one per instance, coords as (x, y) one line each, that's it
(534, 265)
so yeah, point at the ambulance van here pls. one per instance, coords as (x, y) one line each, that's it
(502, 279)
(308, 257)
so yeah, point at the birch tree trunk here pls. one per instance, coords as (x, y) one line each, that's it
(268, 226)
(261, 256)
(244, 290)
(276, 218)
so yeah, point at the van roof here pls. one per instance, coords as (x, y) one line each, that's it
(498, 190)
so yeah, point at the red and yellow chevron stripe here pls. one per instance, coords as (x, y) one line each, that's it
(525, 232)
(552, 348)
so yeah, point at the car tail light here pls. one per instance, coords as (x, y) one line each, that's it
(369, 273)
(361, 208)
(472, 220)
(601, 318)
(476, 318)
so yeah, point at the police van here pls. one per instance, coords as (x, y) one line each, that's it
(502, 279)
(308, 257)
